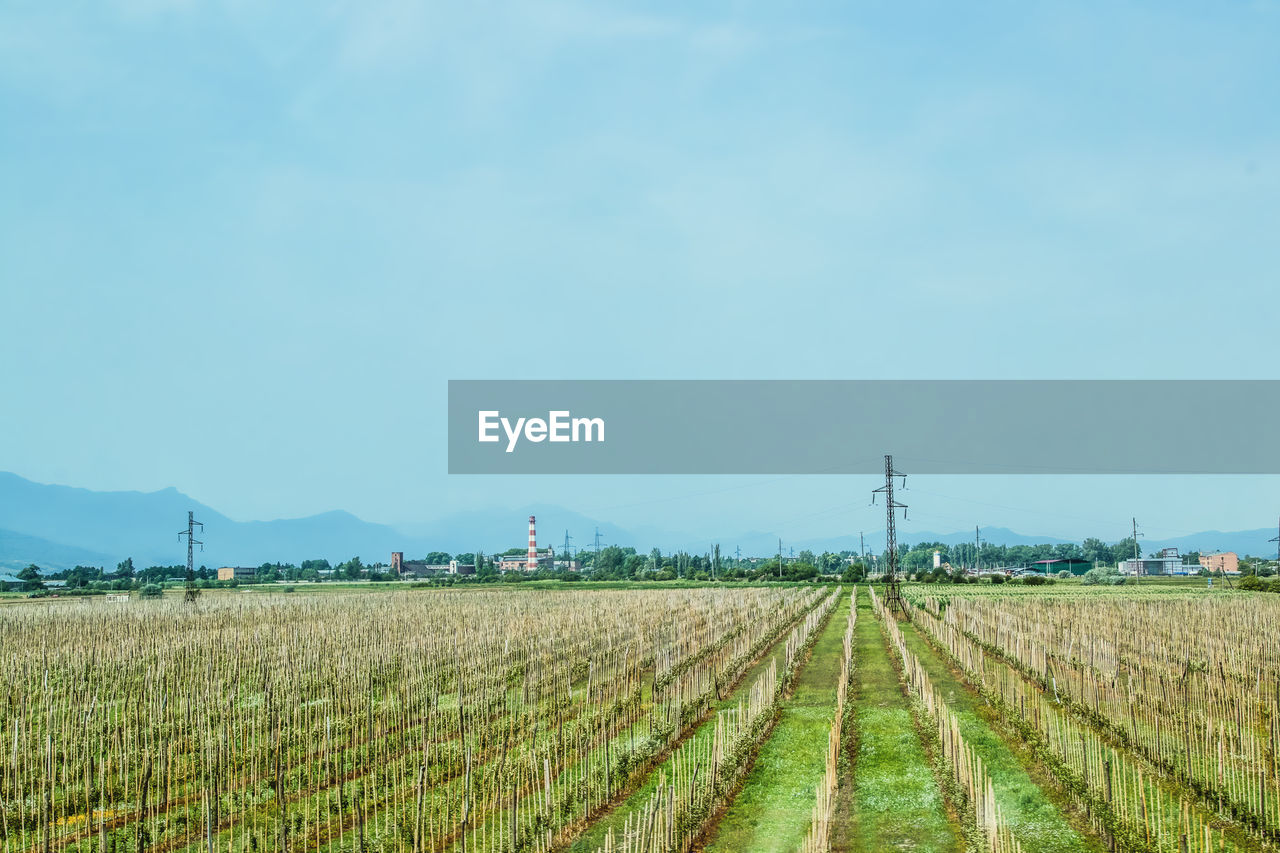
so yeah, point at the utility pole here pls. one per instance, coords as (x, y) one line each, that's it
(737, 556)
(779, 559)
(892, 592)
(977, 550)
(567, 537)
(1277, 541)
(595, 559)
(1137, 555)
(862, 549)
(193, 592)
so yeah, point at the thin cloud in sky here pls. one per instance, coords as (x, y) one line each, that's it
(326, 210)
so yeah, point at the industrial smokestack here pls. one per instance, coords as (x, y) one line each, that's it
(532, 565)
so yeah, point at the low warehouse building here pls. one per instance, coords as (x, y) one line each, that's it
(237, 573)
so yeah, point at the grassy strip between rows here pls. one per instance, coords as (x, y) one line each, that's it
(896, 802)
(771, 811)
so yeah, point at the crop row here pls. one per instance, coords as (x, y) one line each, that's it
(1126, 799)
(247, 726)
(819, 835)
(704, 772)
(1192, 684)
(970, 785)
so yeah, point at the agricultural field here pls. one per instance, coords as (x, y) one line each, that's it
(720, 719)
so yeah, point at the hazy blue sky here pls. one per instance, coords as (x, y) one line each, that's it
(244, 245)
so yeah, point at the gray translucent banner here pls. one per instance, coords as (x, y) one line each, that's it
(846, 426)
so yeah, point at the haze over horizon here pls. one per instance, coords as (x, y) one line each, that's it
(800, 530)
(244, 248)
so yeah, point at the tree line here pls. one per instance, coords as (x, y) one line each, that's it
(611, 563)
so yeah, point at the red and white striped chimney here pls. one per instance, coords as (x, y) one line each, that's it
(532, 565)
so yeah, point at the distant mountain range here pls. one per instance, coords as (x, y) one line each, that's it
(57, 527)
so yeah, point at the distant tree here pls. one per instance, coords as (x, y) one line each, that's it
(1122, 550)
(30, 577)
(854, 573)
(1068, 551)
(767, 569)
(125, 569)
(1096, 551)
(154, 574)
(610, 564)
(800, 571)
(353, 569)
(151, 590)
(81, 576)
(439, 558)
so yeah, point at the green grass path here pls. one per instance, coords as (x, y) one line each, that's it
(895, 803)
(770, 813)
(1033, 807)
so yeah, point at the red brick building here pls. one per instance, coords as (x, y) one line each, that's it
(1225, 561)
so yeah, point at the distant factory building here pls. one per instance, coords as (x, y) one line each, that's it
(237, 573)
(1168, 563)
(1070, 564)
(418, 568)
(1221, 561)
(522, 562)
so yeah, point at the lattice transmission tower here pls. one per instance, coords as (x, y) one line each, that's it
(193, 591)
(892, 591)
